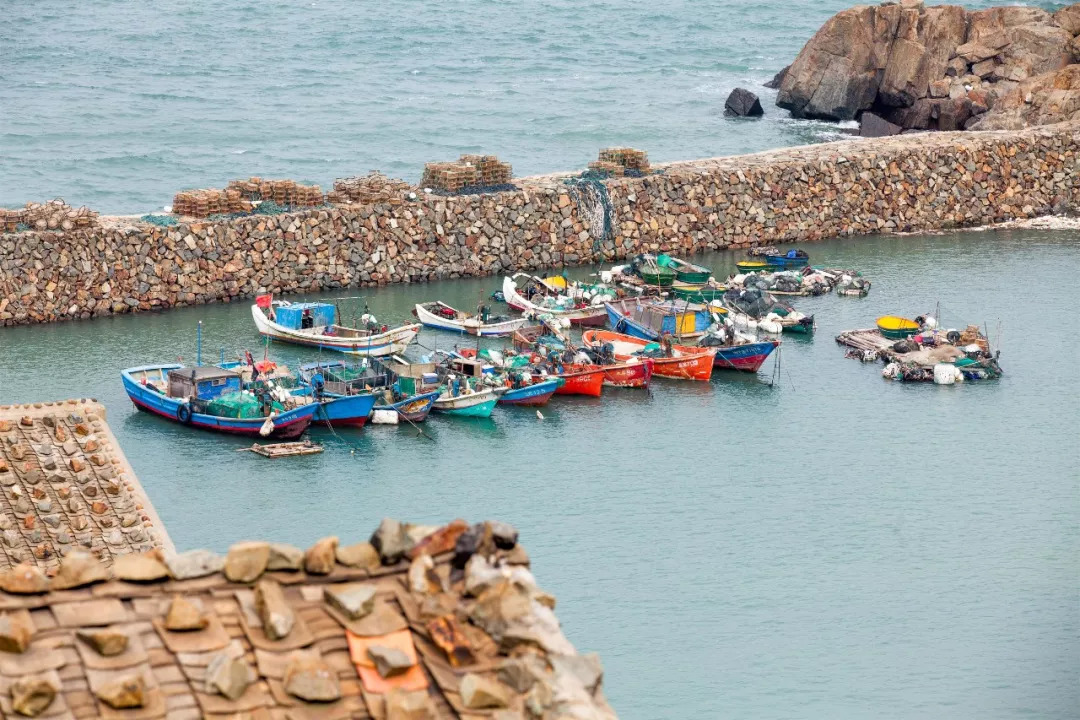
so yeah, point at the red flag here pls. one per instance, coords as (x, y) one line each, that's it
(263, 301)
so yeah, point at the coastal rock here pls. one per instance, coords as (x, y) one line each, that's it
(309, 678)
(743, 103)
(277, 615)
(285, 557)
(390, 541)
(359, 555)
(389, 662)
(354, 600)
(24, 579)
(246, 561)
(16, 631)
(481, 693)
(79, 568)
(777, 79)
(31, 695)
(184, 616)
(106, 642)
(228, 675)
(140, 567)
(406, 705)
(872, 126)
(319, 559)
(123, 693)
(193, 564)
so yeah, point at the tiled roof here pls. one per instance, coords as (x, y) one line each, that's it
(420, 623)
(65, 484)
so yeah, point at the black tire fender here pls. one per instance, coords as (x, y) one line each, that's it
(183, 413)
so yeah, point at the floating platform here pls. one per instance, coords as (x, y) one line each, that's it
(286, 449)
(868, 340)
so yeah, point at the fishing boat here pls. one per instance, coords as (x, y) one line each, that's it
(749, 266)
(681, 362)
(533, 394)
(526, 293)
(685, 272)
(462, 384)
(748, 357)
(634, 373)
(649, 319)
(697, 293)
(212, 398)
(314, 324)
(578, 379)
(648, 268)
(792, 258)
(337, 380)
(759, 309)
(896, 327)
(440, 315)
(469, 403)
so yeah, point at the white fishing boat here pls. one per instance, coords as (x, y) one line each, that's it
(526, 293)
(440, 315)
(315, 325)
(468, 403)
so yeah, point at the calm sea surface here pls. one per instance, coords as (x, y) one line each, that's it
(120, 104)
(835, 546)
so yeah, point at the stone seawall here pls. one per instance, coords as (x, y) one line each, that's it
(907, 183)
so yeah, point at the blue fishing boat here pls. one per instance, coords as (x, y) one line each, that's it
(748, 357)
(371, 377)
(212, 398)
(534, 395)
(792, 258)
(649, 319)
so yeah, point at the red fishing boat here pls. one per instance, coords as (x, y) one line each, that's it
(581, 380)
(681, 362)
(633, 374)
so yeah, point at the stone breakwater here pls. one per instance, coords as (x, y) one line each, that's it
(910, 183)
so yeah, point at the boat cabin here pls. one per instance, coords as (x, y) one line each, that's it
(675, 319)
(303, 316)
(203, 383)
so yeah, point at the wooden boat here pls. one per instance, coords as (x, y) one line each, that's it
(532, 395)
(649, 319)
(749, 266)
(684, 362)
(440, 315)
(634, 373)
(375, 379)
(314, 325)
(697, 293)
(651, 272)
(747, 357)
(686, 272)
(471, 403)
(583, 379)
(896, 327)
(792, 258)
(521, 290)
(198, 396)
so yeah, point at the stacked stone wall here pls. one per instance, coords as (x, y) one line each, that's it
(910, 183)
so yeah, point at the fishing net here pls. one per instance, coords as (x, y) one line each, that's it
(160, 220)
(590, 194)
(240, 405)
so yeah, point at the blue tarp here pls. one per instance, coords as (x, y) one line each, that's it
(291, 316)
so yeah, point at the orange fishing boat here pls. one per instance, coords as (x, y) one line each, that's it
(683, 363)
(581, 380)
(633, 374)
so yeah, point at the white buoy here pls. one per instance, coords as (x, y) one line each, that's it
(539, 415)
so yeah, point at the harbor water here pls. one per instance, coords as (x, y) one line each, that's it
(156, 98)
(810, 541)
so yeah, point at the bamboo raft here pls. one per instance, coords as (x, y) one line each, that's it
(868, 340)
(284, 449)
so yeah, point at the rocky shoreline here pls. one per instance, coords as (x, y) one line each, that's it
(909, 183)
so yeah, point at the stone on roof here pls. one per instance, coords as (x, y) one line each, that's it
(461, 632)
(66, 485)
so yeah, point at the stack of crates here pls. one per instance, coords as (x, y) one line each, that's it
(241, 196)
(369, 189)
(626, 158)
(469, 171)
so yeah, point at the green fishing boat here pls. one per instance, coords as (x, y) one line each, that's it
(652, 272)
(749, 266)
(697, 292)
(685, 272)
(897, 328)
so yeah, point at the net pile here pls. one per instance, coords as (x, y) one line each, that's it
(241, 405)
(469, 171)
(369, 189)
(622, 161)
(241, 196)
(52, 215)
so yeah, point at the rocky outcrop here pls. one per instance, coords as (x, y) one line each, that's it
(937, 68)
(909, 183)
(743, 103)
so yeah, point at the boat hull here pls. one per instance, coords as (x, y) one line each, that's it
(784, 262)
(698, 293)
(347, 410)
(658, 279)
(693, 276)
(629, 375)
(896, 328)
(590, 316)
(393, 341)
(691, 363)
(588, 382)
(287, 426)
(749, 266)
(414, 409)
(747, 358)
(479, 404)
(534, 395)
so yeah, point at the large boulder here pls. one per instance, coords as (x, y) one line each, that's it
(743, 103)
(872, 126)
(927, 67)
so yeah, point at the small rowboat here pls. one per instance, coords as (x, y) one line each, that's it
(534, 395)
(479, 403)
(440, 315)
(697, 293)
(314, 325)
(749, 266)
(684, 363)
(792, 258)
(896, 327)
(687, 272)
(655, 275)
(635, 373)
(536, 288)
